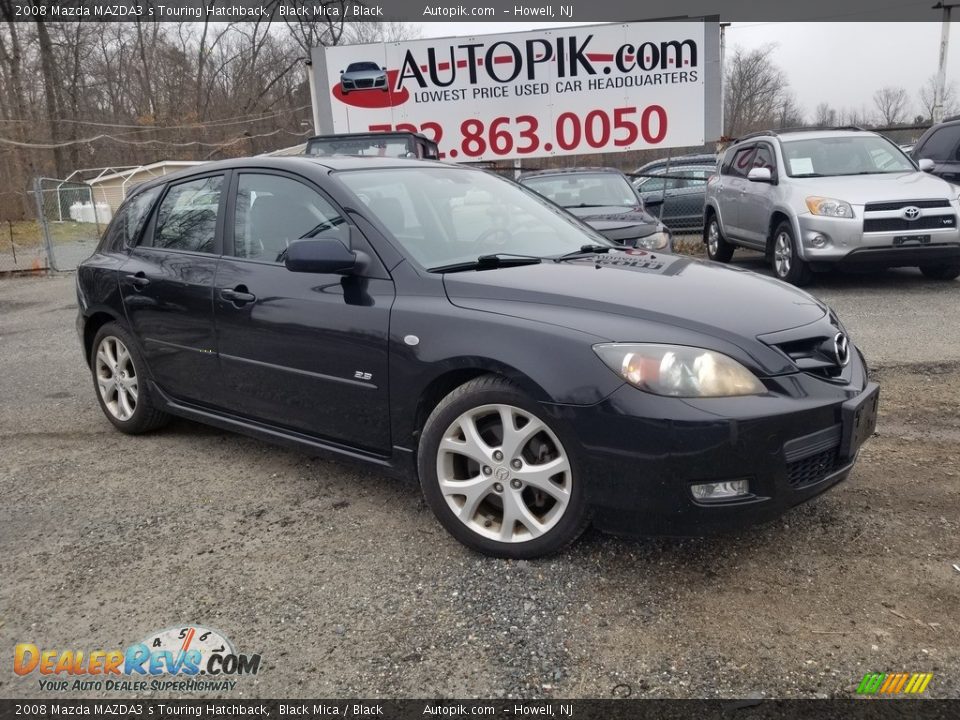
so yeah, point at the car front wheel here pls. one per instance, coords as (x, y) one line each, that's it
(118, 376)
(787, 264)
(941, 272)
(498, 477)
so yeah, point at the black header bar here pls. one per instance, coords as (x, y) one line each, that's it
(424, 11)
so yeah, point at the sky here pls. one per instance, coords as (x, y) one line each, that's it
(840, 63)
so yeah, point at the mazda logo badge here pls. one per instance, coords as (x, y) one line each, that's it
(841, 349)
(911, 213)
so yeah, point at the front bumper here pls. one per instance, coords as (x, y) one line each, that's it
(642, 453)
(846, 243)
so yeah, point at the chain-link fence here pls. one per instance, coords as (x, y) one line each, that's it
(21, 247)
(70, 221)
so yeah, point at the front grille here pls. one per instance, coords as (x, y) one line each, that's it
(811, 470)
(364, 83)
(810, 354)
(900, 204)
(928, 222)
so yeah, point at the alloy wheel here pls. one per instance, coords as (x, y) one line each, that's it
(782, 255)
(116, 378)
(713, 238)
(504, 473)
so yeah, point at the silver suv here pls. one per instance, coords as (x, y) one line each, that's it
(812, 199)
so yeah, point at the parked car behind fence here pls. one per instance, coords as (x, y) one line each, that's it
(673, 189)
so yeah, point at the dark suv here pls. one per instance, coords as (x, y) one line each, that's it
(941, 146)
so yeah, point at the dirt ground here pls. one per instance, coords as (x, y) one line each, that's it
(346, 585)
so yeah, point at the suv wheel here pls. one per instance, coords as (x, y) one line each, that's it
(497, 475)
(787, 264)
(718, 249)
(941, 272)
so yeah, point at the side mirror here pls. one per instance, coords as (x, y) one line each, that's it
(758, 174)
(926, 164)
(384, 69)
(341, 72)
(321, 255)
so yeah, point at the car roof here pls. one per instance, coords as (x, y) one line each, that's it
(696, 159)
(822, 134)
(301, 163)
(571, 171)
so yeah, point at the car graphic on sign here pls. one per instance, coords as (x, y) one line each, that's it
(363, 76)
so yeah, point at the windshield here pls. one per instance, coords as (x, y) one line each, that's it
(443, 216)
(844, 155)
(361, 66)
(585, 189)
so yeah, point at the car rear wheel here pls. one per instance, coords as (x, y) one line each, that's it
(787, 264)
(718, 249)
(941, 272)
(498, 477)
(120, 383)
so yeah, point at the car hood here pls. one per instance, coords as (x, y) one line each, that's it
(636, 295)
(862, 189)
(618, 224)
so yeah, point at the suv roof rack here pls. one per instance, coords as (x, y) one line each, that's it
(782, 131)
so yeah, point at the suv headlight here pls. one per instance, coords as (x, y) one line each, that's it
(659, 240)
(679, 370)
(829, 207)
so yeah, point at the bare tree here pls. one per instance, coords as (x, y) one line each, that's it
(824, 115)
(755, 90)
(893, 105)
(371, 32)
(927, 95)
(790, 114)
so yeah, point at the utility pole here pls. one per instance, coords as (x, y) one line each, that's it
(942, 71)
(723, 80)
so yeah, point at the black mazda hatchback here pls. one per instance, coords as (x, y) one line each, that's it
(449, 325)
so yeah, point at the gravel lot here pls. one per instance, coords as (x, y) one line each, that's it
(343, 581)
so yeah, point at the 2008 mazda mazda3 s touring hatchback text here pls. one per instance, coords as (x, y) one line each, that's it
(449, 325)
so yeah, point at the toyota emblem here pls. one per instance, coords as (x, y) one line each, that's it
(841, 349)
(911, 212)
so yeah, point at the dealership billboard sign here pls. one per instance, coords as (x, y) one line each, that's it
(576, 90)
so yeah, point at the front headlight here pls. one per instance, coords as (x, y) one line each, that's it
(659, 240)
(678, 370)
(829, 207)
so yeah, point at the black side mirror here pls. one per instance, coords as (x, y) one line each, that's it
(320, 255)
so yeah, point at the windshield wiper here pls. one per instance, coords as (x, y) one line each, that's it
(592, 205)
(487, 262)
(584, 251)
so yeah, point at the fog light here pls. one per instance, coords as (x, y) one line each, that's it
(818, 241)
(721, 490)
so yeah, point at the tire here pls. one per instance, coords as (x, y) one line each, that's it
(786, 263)
(119, 381)
(541, 521)
(718, 249)
(941, 272)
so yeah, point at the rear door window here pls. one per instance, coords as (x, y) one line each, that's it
(187, 216)
(740, 162)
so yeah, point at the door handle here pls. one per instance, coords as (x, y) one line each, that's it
(139, 280)
(238, 295)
